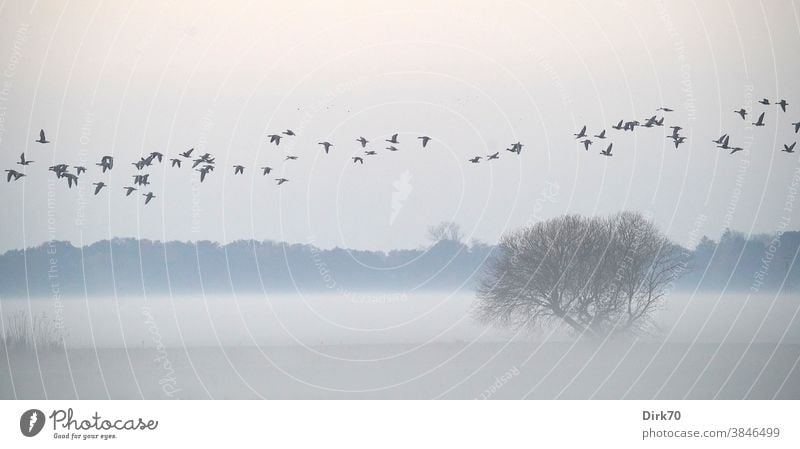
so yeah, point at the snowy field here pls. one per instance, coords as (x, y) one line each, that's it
(375, 345)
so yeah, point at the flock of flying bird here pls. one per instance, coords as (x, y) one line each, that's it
(205, 163)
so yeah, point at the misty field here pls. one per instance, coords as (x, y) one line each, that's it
(392, 345)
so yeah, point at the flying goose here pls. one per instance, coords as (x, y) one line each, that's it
(129, 190)
(157, 155)
(276, 138)
(789, 148)
(363, 142)
(607, 151)
(618, 126)
(99, 186)
(79, 169)
(763, 101)
(13, 173)
(148, 196)
(290, 158)
(392, 148)
(42, 138)
(238, 169)
(327, 146)
(71, 179)
(782, 104)
(22, 160)
(581, 134)
(265, 171)
(586, 143)
(760, 121)
(188, 153)
(742, 112)
(493, 156)
(516, 148)
(370, 153)
(176, 162)
(393, 139)
(602, 135)
(664, 109)
(358, 159)
(425, 140)
(796, 127)
(107, 162)
(475, 159)
(281, 180)
(289, 132)
(736, 150)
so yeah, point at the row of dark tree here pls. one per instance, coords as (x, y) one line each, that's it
(137, 267)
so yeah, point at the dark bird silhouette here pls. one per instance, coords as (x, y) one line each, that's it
(796, 127)
(721, 139)
(289, 132)
(79, 169)
(71, 179)
(139, 165)
(783, 105)
(602, 135)
(265, 171)
(148, 196)
(129, 190)
(358, 159)
(664, 109)
(425, 140)
(370, 153)
(515, 148)
(493, 156)
(764, 101)
(281, 180)
(650, 122)
(176, 162)
(238, 169)
(581, 134)
(98, 186)
(203, 172)
(760, 121)
(276, 138)
(392, 148)
(789, 148)
(630, 126)
(327, 146)
(363, 142)
(736, 150)
(291, 158)
(679, 140)
(157, 155)
(59, 169)
(586, 143)
(475, 159)
(22, 160)
(675, 130)
(393, 139)
(13, 174)
(618, 126)
(725, 142)
(742, 113)
(107, 162)
(42, 138)
(188, 153)
(607, 151)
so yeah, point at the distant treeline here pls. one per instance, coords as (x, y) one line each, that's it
(136, 267)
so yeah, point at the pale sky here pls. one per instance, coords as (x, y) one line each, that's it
(128, 78)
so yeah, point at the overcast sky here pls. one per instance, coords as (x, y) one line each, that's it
(128, 78)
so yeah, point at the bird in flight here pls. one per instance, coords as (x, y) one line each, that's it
(71, 179)
(327, 146)
(13, 173)
(760, 121)
(664, 109)
(129, 190)
(763, 101)
(741, 112)
(176, 162)
(370, 153)
(22, 160)
(782, 104)
(157, 155)
(98, 186)
(602, 135)
(358, 159)
(363, 142)
(392, 148)
(393, 139)
(493, 156)
(148, 196)
(188, 153)
(581, 134)
(586, 143)
(736, 150)
(281, 180)
(796, 127)
(59, 169)
(79, 169)
(725, 142)
(679, 140)
(607, 151)
(290, 158)
(276, 138)
(42, 138)
(721, 139)
(265, 171)
(289, 132)
(107, 162)
(425, 140)
(238, 169)
(475, 159)
(515, 148)
(789, 148)
(618, 126)
(203, 172)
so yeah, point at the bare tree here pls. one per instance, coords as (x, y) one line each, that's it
(598, 276)
(445, 231)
